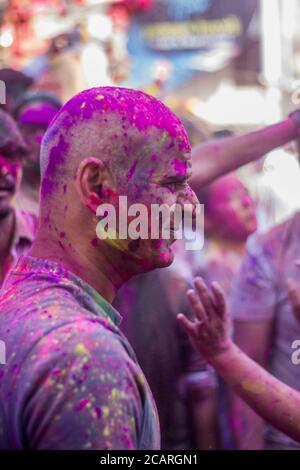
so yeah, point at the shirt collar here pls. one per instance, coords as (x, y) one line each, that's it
(88, 295)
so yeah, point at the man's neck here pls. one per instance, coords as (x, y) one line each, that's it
(92, 265)
(7, 225)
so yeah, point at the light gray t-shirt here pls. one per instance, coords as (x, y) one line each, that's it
(260, 293)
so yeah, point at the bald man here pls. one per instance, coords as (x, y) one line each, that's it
(71, 380)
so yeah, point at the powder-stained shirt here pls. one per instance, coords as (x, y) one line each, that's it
(260, 293)
(71, 379)
(23, 236)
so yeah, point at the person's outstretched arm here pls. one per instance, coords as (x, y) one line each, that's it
(217, 157)
(276, 402)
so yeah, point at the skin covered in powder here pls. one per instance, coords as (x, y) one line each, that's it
(229, 209)
(106, 143)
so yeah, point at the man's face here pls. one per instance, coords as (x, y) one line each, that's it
(231, 209)
(10, 177)
(33, 121)
(159, 178)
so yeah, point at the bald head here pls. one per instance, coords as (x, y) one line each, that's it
(110, 124)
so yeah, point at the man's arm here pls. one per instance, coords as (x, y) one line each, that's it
(276, 402)
(253, 302)
(220, 156)
(254, 339)
(203, 405)
(198, 379)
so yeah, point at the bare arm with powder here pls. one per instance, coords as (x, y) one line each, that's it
(276, 402)
(220, 156)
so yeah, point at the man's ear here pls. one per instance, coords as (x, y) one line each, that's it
(93, 180)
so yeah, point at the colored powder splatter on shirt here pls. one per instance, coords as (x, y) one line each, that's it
(71, 380)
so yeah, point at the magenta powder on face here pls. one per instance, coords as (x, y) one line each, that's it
(180, 167)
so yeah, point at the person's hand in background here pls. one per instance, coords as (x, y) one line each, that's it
(209, 332)
(294, 294)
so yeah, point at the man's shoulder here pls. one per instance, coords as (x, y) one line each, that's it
(271, 241)
(83, 335)
(53, 315)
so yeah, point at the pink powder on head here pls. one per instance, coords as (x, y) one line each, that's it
(133, 106)
(56, 158)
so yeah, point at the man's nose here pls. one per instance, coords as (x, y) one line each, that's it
(247, 201)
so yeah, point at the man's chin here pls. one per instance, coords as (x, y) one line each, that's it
(164, 257)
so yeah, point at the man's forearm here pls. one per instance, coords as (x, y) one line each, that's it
(273, 400)
(220, 156)
(204, 417)
(247, 426)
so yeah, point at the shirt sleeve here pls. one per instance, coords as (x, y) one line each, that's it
(253, 295)
(84, 392)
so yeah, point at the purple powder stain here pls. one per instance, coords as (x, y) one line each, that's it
(131, 170)
(82, 404)
(94, 242)
(56, 158)
(62, 235)
(133, 106)
(98, 412)
(179, 166)
(61, 245)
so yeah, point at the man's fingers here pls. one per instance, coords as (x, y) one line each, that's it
(204, 295)
(196, 305)
(294, 295)
(293, 292)
(219, 299)
(186, 324)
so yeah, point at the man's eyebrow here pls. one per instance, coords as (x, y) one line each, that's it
(179, 177)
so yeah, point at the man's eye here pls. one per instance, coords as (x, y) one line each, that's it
(176, 185)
